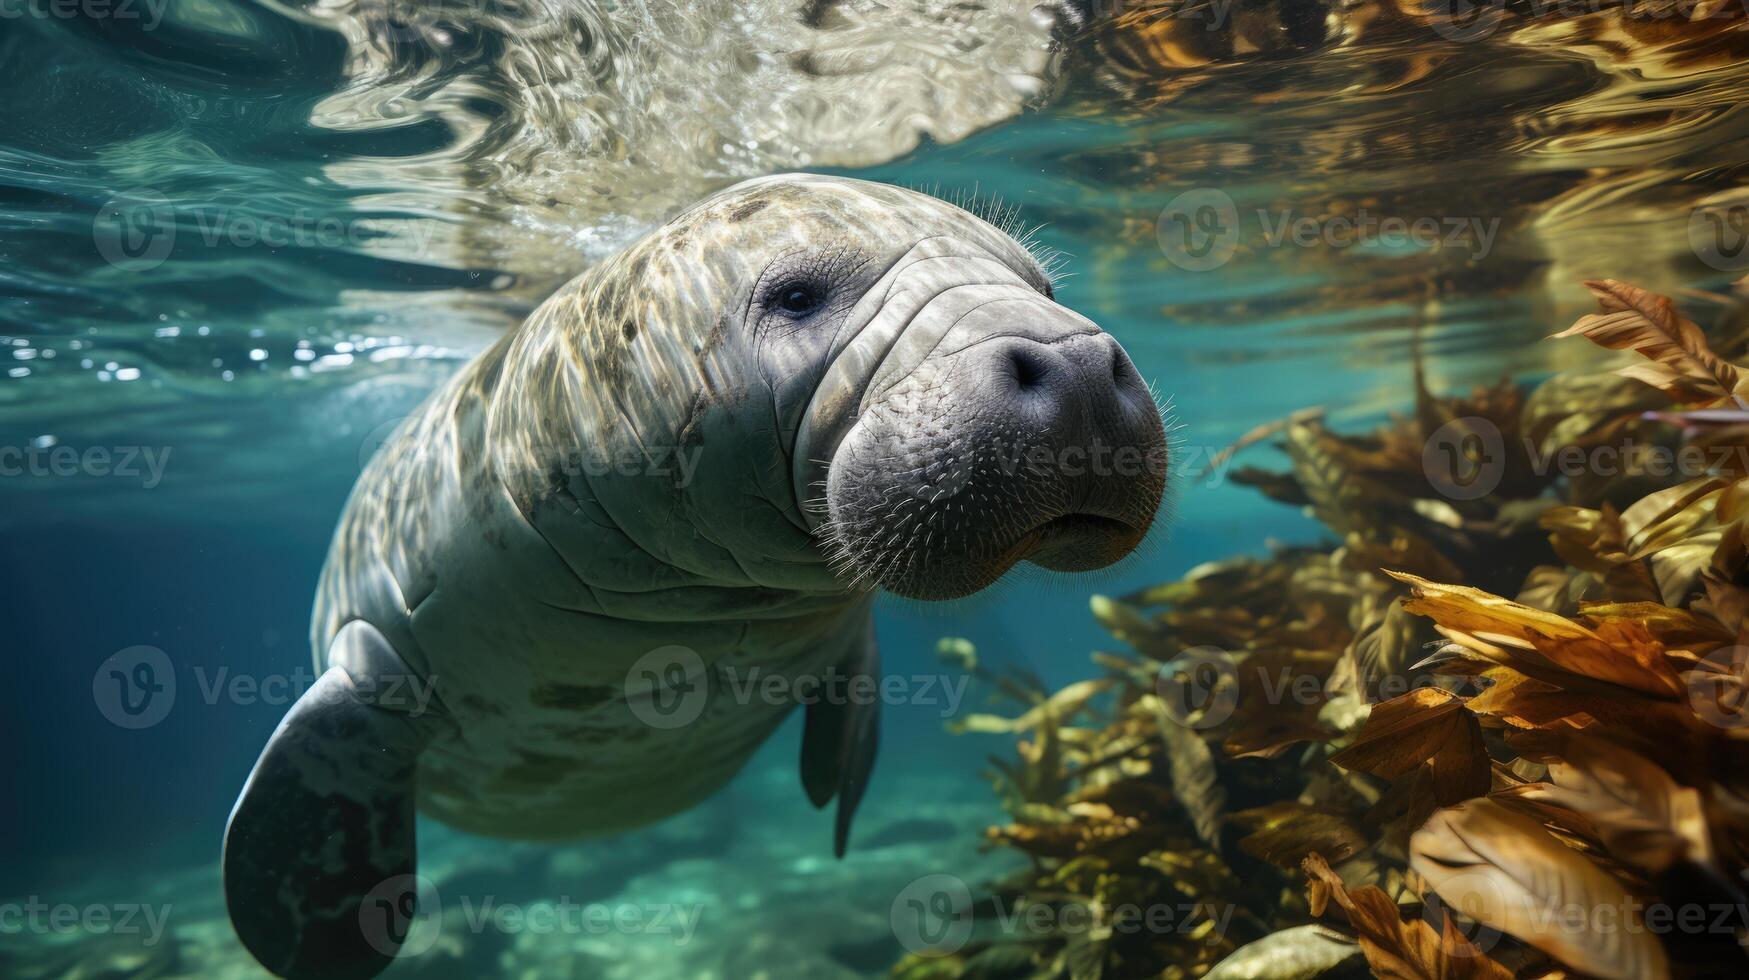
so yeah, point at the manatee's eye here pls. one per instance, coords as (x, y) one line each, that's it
(799, 298)
(805, 285)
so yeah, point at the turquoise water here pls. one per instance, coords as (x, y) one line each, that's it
(326, 261)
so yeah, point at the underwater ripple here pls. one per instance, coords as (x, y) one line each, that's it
(347, 199)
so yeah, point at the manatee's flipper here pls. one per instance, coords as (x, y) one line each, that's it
(839, 743)
(821, 735)
(326, 818)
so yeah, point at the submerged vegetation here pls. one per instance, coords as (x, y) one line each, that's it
(1497, 729)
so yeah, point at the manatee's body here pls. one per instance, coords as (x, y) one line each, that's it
(528, 612)
(580, 586)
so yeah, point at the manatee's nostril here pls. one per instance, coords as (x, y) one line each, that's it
(1124, 376)
(1028, 366)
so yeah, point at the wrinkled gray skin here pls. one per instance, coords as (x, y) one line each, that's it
(725, 439)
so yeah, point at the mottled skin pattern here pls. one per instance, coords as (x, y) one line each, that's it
(485, 544)
(723, 439)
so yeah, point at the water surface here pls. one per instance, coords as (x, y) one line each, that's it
(248, 238)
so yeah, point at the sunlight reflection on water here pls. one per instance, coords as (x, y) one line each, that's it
(379, 194)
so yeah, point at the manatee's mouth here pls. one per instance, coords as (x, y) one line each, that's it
(958, 473)
(1071, 525)
(1060, 541)
(1082, 542)
(947, 550)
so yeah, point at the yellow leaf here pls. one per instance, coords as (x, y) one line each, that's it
(1191, 767)
(1397, 950)
(1285, 833)
(1531, 639)
(1660, 520)
(1504, 870)
(1679, 362)
(1671, 626)
(1589, 540)
(1303, 951)
(1267, 736)
(1426, 725)
(1463, 608)
(1059, 707)
(1120, 618)
(1638, 812)
(1733, 503)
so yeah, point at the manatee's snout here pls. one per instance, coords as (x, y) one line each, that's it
(1086, 429)
(1025, 433)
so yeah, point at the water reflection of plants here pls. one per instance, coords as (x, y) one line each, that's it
(1496, 729)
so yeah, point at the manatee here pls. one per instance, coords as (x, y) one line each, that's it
(700, 460)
